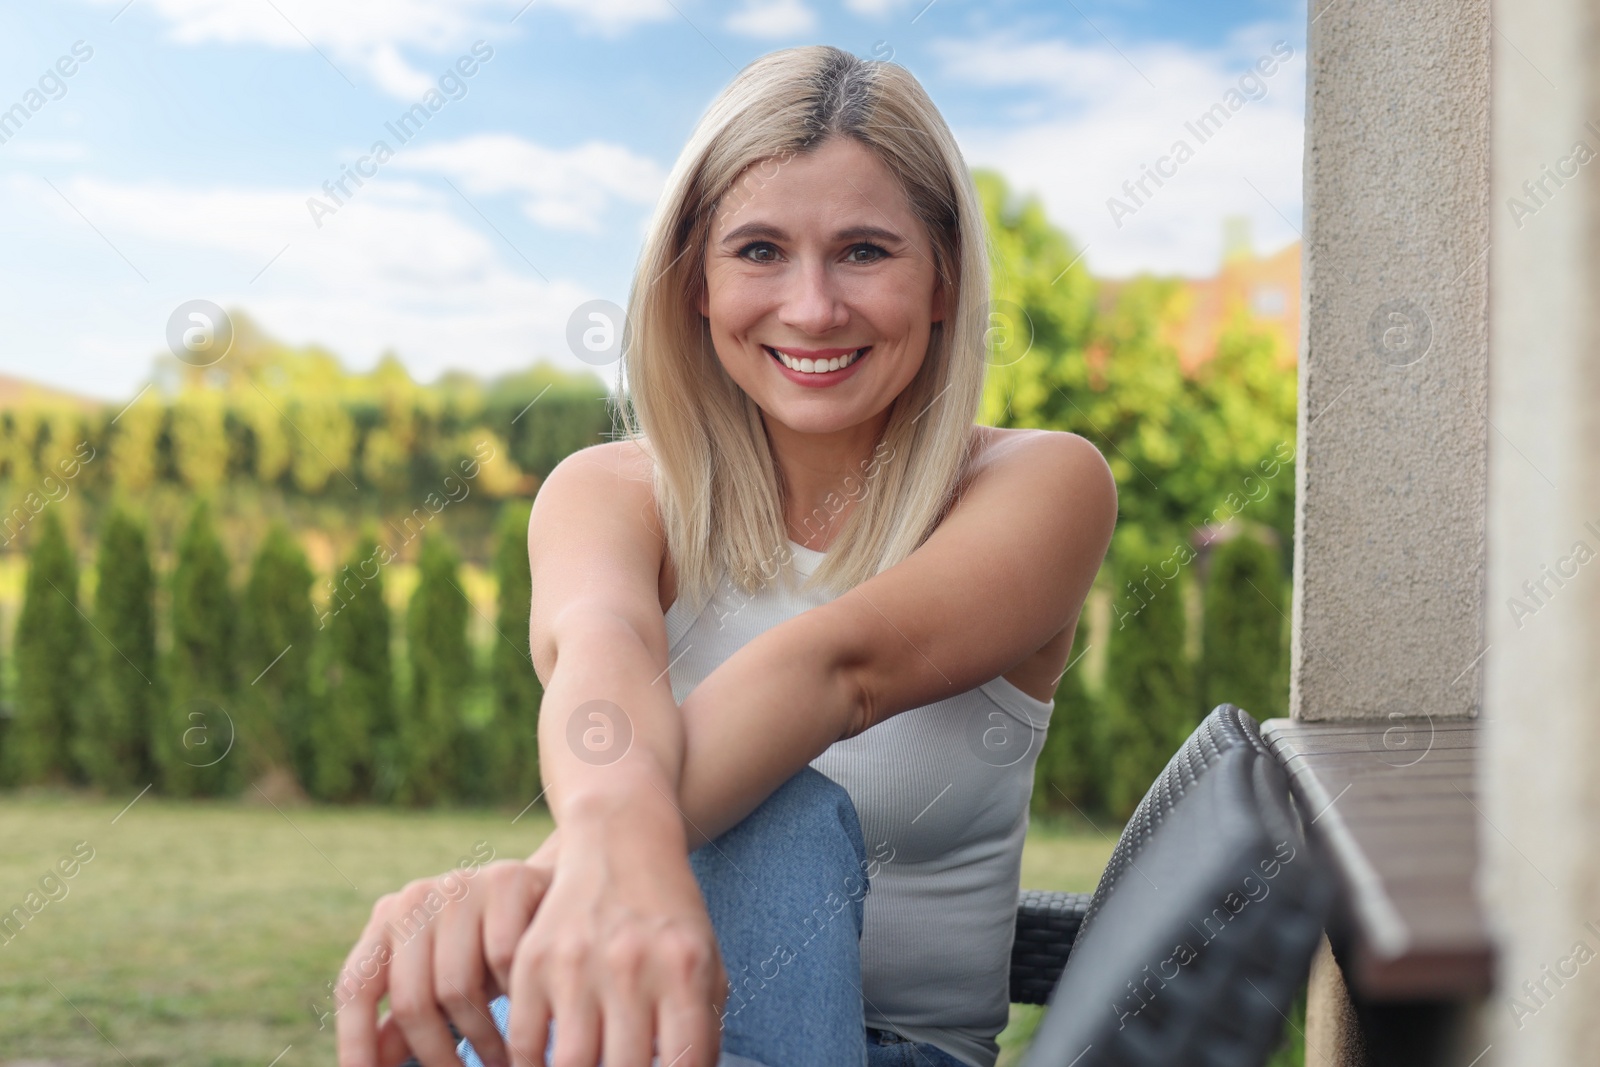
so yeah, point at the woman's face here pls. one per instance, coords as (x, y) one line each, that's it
(818, 257)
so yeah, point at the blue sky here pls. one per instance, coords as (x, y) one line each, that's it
(177, 160)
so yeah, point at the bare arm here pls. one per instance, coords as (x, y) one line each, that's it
(608, 721)
(1009, 568)
(611, 935)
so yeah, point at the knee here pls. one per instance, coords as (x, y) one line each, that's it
(811, 809)
(807, 828)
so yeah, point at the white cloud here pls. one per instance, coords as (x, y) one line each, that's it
(398, 266)
(48, 151)
(772, 18)
(566, 189)
(1094, 118)
(395, 76)
(365, 37)
(873, 8)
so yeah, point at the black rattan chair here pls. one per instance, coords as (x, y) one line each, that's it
(1201, 931)
(1047, 925)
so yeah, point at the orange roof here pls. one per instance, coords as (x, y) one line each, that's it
(15, 392)
(1266, 288)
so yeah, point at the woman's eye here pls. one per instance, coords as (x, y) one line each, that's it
(758, 246)
(877, 253)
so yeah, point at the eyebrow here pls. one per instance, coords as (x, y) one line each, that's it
(849, 233)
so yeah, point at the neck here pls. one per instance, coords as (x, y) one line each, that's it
(815, 471)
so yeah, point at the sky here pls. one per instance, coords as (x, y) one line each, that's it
(190, 153)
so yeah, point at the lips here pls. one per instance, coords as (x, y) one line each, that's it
(816, 360)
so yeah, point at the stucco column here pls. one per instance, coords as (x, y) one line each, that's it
(1539, 780)
(1391, 477)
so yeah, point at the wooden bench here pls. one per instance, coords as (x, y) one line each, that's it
(1394, 805)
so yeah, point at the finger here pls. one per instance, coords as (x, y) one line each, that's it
(627, 1025)
(514, 895)
(392, 1048)
(690, 1012)
(362, 982)
(528, 1032)
(458, 972)
(411, 1001)
(577, 1018)
(688, 1033)
(628, 1007)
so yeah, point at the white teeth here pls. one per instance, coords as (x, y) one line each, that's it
(817, 366)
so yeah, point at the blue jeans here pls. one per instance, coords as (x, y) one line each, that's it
(784, 891)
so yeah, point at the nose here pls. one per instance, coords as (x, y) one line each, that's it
(812, 304)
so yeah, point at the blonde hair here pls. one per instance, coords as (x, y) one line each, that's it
(716, 482)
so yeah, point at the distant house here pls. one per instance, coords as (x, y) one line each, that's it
(1265, 287)
(19, 392)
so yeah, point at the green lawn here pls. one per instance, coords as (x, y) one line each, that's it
(204, 933)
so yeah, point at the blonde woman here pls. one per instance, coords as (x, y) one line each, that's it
(799, 633)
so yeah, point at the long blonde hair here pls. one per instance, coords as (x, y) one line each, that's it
(716, 482)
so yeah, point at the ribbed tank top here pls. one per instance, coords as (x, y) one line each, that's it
(942, 794)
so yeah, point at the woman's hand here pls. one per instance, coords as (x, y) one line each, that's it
(621, 953)
(442, 948)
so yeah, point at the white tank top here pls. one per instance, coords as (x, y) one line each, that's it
(942, 793)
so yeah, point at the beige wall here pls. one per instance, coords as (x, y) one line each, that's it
(1388, 606)
(1541, 782)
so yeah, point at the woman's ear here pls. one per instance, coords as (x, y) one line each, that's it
(704, 301)
(938, 301)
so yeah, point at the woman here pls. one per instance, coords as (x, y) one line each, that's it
(806, 611)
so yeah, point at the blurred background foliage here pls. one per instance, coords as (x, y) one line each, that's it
(323, 574)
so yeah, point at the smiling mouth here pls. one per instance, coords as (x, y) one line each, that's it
(818, 366)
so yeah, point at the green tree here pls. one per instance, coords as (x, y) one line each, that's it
(1070, 772)
(431, 730)
(49, 646)
(116, 723)
(194, 747)
(1094, 359)
(275, 646)
(515, 726)
(199, 443)
(1150, 693)
(1241, 638)
(353, 740)
(324, 444)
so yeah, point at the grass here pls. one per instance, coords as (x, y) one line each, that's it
(204, 933)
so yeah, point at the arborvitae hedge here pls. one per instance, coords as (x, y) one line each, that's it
(116, 720)
(275, 645)
(1245, 604)
(431, 729)
(515, 726)
(49, 648)
(1150, 691)
(354, 748)
(196, 745)
(1070, 773)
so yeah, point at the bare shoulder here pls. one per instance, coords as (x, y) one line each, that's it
(595, 543)
(615, 477)
(1045, 461)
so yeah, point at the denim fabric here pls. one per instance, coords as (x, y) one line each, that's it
(784, 891)
(888, 1049)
